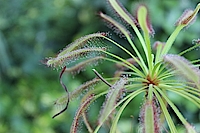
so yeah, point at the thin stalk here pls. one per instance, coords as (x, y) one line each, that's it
(185, 87)
(130, 21)
(150, 92)
(182, 119)
(165, 75)
(149, 51)
(166, 113)
(138, 54)
(133, 87)
(156, 68)
(171, 40)
(158, 52)
(189, 49)
(87, 124)
(131, 66)
(161, 69)
(114, 61)
(195, 61)
(188, 96)
(132, 95)
(140, 61)
(157, 62)
(99, 76)
(180, 116)
(141, 39)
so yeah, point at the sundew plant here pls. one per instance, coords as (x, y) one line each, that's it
(150, 71)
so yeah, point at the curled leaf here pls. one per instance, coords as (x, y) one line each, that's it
(158, 45)
(143, 19)
(65, 88)
(188, 16)
(78, 91)
(100, 77)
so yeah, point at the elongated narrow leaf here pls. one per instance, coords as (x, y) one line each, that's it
(81, 65)
(186, 69)
(188, 16)
(114, 24)
(81, 42)
(79, 113)
(111, 99)
(179, 115)
(185, 20)
(122, 12)
(149, 117)
(69, 57)
(166, 113)
(125, 102)
(143, 19)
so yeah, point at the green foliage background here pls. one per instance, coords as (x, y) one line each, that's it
(31, 30)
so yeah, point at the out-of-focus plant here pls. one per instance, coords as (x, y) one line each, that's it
(150, 71)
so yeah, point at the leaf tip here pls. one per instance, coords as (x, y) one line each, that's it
(188, 16)
(143, 19)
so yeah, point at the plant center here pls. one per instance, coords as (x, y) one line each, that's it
(151, 80)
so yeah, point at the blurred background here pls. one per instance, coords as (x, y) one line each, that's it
(31, 30)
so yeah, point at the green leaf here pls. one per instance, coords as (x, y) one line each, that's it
(179, 115)
(166, 113)
(111, 99)
(188, 16)
(142, 15)
(128, 100)
(122, 12)
(184, 67)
